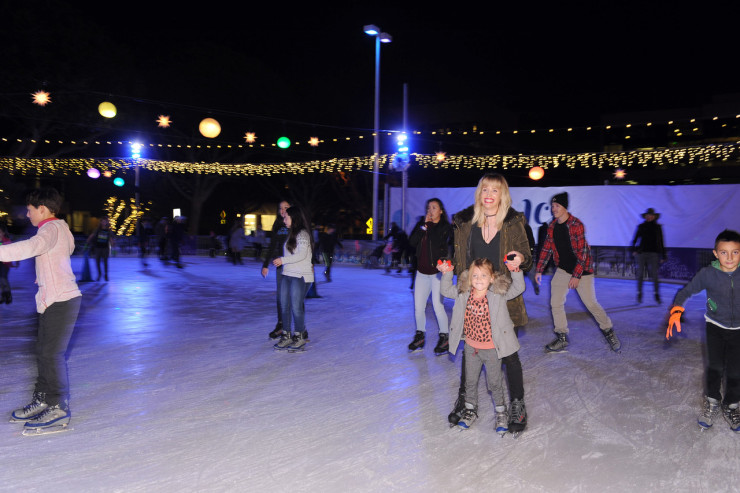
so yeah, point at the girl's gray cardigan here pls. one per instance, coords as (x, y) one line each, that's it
(502, 328)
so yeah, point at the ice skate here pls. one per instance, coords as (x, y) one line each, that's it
(277, 331)
(54, 419)
(732, 416)
(710, 410)
(517, 417)
(418, 342)
(454, 417)
(502, 420)
(612, 339)
(443, 345)
(30, 411)
(284, 342)
(298, 343)
(559, 344)
(468, 417)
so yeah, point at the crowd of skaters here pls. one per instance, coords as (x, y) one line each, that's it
(488, 246)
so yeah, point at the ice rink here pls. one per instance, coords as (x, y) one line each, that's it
(176, 387)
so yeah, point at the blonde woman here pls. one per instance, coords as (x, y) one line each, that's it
(492, 229)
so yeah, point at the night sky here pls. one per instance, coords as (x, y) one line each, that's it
(561, 64)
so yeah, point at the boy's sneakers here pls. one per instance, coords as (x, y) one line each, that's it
(468, 417)
(517, 416)
(55, 415)
(418, 342)
(710, 410)
(502, 420)
(284, 342)
(34, 408)
(559, 344)
(443, 344)
(732, 416)
(612, 339)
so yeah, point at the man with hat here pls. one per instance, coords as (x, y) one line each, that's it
(566, 244)
(648, 250)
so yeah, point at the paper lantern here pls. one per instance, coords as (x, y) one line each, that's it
(283, 142)
(118, 181)
(209, 128)
(536, 173)
(93, 173)
(106, 109)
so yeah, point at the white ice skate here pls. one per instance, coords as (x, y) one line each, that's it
(53, 420)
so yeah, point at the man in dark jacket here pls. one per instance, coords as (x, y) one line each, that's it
(649, 251)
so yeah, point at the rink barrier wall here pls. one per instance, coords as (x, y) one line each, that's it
(613, 262)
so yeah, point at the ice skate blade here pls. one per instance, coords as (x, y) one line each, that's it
(48, 430)
(301, 350)
(440, 354)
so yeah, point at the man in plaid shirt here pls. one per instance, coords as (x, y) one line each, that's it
(566, 243)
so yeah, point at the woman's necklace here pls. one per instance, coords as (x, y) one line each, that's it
(487, 233)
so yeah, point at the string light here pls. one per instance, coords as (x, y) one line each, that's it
(696, 156)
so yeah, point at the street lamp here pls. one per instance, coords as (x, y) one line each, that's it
(380, 37)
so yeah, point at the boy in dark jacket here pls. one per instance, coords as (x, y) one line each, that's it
(722, 330)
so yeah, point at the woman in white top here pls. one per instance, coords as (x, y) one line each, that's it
(297, 278)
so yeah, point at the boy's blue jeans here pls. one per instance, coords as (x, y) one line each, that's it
(56, 325)
(292, 293)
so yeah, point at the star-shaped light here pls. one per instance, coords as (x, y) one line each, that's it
(441, 156)
(41, 98)
(313, 141)
(164, 121)
(620, 174)
(249, 137)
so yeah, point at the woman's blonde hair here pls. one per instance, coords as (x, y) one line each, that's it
(463, 284)
(505, 199)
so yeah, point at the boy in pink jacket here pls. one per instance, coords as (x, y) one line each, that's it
(57, 302)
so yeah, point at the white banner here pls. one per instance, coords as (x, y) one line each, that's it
(691, 215)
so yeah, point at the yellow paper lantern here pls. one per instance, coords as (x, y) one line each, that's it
(106, 109)
(536, 173)
(209, 128)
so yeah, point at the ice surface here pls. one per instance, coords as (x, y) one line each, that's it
(176, 387)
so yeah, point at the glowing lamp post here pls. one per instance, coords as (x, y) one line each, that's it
(380, 37)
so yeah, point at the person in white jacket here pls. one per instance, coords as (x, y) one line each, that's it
(57, 302)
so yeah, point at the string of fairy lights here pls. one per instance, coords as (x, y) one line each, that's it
(694, 155)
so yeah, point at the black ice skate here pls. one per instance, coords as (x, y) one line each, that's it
(418, 342)
(454, 417)
(277, 331)
(443, 345)
(517, 417)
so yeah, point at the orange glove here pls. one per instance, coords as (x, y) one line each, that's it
(675, 319)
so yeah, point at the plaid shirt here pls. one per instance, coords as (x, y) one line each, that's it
(582, 251)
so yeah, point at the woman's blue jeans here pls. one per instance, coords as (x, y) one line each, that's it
(292, 293)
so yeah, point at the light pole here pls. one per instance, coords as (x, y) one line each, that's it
(380, 37)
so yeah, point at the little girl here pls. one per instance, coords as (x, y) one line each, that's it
(480, 314)
(297, 279)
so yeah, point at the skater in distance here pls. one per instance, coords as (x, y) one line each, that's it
(297, 278)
